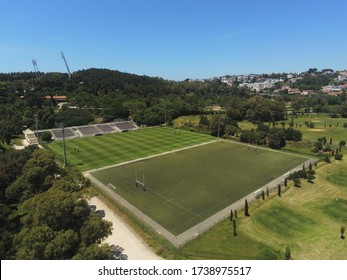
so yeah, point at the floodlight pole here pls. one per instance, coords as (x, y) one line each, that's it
(64, 147)
(218, 124)
(37, 131)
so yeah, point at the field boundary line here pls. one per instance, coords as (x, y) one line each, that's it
(149, 157)
(271, 150)
(193, 232)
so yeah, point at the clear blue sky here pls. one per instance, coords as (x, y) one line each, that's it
(174, 39)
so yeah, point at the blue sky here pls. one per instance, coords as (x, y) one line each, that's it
(174, 39)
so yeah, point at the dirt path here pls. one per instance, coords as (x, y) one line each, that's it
(124, 236)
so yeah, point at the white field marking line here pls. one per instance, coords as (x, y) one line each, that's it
(185, 209)
(169, 200)
(202, 213)
(268, 149)
(192, 195)
(149, 157)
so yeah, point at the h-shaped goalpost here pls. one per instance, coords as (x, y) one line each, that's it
(138, 182)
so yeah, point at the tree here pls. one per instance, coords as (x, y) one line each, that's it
(331, 141)
(204, 120)
(287, 254)
(234, 226)
(263, 194)
(235, 214)
(285, 182)
(338, 156)
(94, 230)
(267, 192)
(94, 252)
(297, 182)
(46, 136)
(279, 190)
(310, 177)
(341, 144)
(231, 215)
(63, 246)
(276, 138)
(342, 232)
(246, 209)
(310, 166)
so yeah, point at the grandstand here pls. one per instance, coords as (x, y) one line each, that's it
(30, 137)
(85, 130)
(125, 126)
(89, 130)
(105, 128)
(58, 133)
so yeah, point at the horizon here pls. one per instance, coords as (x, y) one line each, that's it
(205, 78)
(174, 40)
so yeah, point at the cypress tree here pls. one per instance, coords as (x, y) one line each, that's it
(234, 226)
(285, 182)
(331, 141)
(287, 253)
(263, 194)
(246, 208)
(267, 192)
(310, 166)
(231, 215)
(235, 214)
(279, 190)
(342, 232)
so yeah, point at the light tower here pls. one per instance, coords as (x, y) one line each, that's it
(36, 68)
(64, 147)
(67, 66)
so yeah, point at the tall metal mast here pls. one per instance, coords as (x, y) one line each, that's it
(67, 66)
(36, 68)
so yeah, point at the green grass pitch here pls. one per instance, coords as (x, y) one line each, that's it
(186, 187)
(94, 152)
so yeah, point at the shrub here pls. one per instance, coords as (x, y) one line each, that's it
(46, 136)
(338, 156)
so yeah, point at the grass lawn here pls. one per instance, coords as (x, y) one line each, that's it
(94, 152)
(306, 219)
(324, 125)
(186, 187)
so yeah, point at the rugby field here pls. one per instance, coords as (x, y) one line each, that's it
(185, 187)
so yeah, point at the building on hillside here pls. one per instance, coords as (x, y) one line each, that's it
(56, 98)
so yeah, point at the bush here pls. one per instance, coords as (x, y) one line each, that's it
(338, 156)
(46, 136)
(327, 159)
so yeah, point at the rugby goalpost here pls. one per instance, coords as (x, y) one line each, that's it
(112, 187)
(138, 182)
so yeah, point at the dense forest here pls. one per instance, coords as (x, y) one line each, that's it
(102, 95)
(44, 213)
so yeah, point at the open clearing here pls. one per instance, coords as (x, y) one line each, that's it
(186, 187)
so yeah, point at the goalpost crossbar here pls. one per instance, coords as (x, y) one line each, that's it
(111, 186)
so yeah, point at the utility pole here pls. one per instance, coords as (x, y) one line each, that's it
(64, 147)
